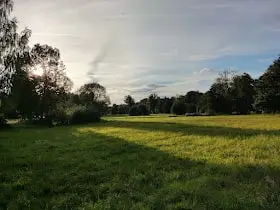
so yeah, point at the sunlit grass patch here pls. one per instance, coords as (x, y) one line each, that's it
(157, 162)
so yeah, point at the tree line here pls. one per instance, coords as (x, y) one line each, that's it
(231, 93)
(35, 88)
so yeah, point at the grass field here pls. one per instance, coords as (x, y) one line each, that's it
(156, 162)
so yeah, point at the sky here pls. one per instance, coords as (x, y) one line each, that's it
(167, 47)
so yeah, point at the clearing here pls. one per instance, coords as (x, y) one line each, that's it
(156, 162)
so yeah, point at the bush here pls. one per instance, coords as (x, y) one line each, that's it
(3, 121)
(178, 107)
(83, 115)
(133, 111)
(62, 116)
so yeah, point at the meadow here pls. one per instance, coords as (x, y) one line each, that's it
(155, 162)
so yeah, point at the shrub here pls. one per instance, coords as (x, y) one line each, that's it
(83, 115)
(178, 107)
(133, 111)
(3, 121)
(62, 116)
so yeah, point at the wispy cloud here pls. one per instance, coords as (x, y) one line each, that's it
(139, 46)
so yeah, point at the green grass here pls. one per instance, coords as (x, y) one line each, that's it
(222, 162)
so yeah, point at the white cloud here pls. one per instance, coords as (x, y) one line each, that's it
(131, 44)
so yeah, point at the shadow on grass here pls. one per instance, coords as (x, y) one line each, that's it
(89, 170)
(189, 129)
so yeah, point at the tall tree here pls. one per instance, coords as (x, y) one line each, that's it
(153, 101)
(220, 93)
(268, 89)
(53, 82)
(178, 107)
(129, 100)
(94, 94)
(242, 91)
(168, 102)
(12, 45)
(192, 99)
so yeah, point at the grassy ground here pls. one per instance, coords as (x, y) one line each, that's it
(223, 162)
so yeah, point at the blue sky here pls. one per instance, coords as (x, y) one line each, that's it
(165, 46)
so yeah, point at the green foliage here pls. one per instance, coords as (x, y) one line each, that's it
(62, 116)
(268, 89)
(165, 105)
(206, 104)
(123, 109)
(224, 162)
(153, 102)
(84, 115)
(143, 110)
(242, 92)
(114, 109)
(129, 101)
(94, 94)
(139, 110)
(133, 111)
(178, 107)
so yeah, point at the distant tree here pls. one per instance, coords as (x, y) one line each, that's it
(133, 110)
(114, 109)
(123, 109)
(143, 110)
(129, 100)
(166, 104)
(145, 101)
(268, 89)
(153, 102)
(220, 93)
(192, 99)
(242, 92)
(206, 103)
(178, 107)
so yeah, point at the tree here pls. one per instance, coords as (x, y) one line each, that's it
(242, 92)
(53, 83)
(129, 101)
(220, 93)
(206, 103)
(153, 101)
(143, 110)
(192, 99)
(94, 94)
(133, 110)
(13, 46)
(114, 109)
(178, 107)
(123, 109)
(165, 105)
(268, 89)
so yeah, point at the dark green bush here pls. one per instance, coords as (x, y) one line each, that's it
(83, 115)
